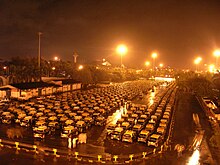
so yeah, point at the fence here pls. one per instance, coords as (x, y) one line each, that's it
(73, 155)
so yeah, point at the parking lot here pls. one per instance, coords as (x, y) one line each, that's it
(124, 118)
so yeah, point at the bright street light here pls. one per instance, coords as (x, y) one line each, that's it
(121, 50)
(197, 62)
(154, 56)
(56, 58)
(161, 65)
(80, 67)
(216, 53)
(147, 63)
(212, 68)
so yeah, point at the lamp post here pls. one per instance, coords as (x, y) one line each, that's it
(197, 62)
(5, 68)
(121, 50)
(216, 53)
(211, 68)
(39, 48)
(154, 56)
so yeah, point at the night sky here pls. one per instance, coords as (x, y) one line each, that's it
(179, 30)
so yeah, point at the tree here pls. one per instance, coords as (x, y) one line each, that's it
(85, 77)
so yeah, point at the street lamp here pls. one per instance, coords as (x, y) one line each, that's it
(147, 63)
(80, 67)
(56, 58)
(216, 53)
(211, 68)
(154, 56)
(121, 50)
(39, 48)
(5, 69)
(161, 65)
(197, 62)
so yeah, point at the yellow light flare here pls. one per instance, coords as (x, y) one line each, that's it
(212, 68)
(147, 63)
(194, 159)
(154, 55)
(161, 65)
(56, 58)
(197, 60)
(80, 67)
(121, 49)
(216, 53)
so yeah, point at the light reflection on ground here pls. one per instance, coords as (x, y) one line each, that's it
(151, 98)
(117, 115)
(194, 159)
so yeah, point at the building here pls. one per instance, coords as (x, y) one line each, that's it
(28, 90)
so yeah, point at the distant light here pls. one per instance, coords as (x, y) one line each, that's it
(80, 67)
(161, 65)
(5, 67)
(147, 63)
(197, 60)
(121, 49)
(212, 68)
(53, 68)
(216, 53)
(138, 71)
(154, 55)
(56, 58)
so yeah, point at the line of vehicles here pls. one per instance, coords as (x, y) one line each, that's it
(146, 125)
(70, 113)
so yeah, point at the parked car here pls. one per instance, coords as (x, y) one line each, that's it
(137, 128)
(154, 140)
(110, 128)
(27, 121)
(143, 136)
(69, 131)
(150, 127)
(161, 131)
(117, 133)
(81, 126)
(125, 125)
(100, 121)
(40, 132)
(129, 136)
